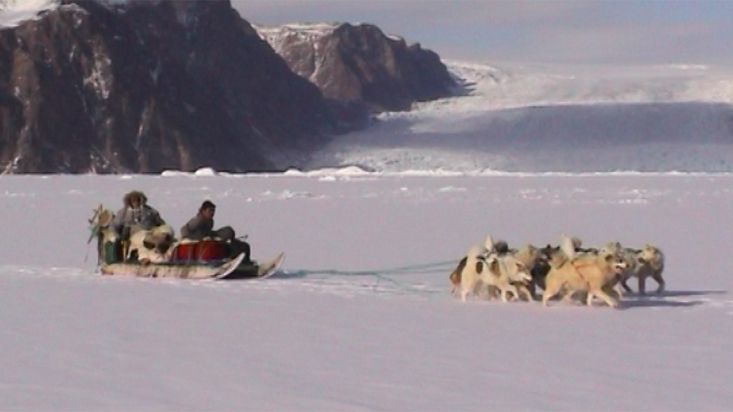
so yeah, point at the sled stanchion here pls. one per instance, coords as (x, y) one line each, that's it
(125, 249)
(202, 252)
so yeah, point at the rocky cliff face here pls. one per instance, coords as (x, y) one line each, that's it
(90, 86)
(359, 63)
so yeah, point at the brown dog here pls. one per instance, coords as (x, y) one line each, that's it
(592, 274)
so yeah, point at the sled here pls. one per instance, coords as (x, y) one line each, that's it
(203, 259)
(173, 270)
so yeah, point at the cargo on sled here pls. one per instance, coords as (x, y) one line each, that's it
(204, 259)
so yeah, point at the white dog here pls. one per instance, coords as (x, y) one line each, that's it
(470, 273)
(489, 247)
(513, 276)
(486, 273)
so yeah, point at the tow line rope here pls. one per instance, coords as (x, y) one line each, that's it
(382, 275)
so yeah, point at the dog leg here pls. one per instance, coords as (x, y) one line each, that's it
(492, 292)
(464, 293)
(618, 290)
(566, 296)
(625, 285)
(589, 299)
(550, 291)
(484, 292)
(606, 298)
(523, 289)
(514, 291)
(658, 278)
(642, 285)
(614, 291)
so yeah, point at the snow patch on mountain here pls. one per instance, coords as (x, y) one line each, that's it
(304, 32)
(14, 12)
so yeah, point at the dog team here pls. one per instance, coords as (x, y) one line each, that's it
(567, 271)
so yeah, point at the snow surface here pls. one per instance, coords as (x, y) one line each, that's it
(361, 318)
(14, 12)
(540, 118)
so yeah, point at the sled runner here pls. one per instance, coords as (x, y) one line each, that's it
(172, 270)
(256, 270)
(230, 269)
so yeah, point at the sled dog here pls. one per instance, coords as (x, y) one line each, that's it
(513, 277)
(490, 246)
(592, 274)
(483, 269)
(470, 272)
(536, 263)
(648, 262)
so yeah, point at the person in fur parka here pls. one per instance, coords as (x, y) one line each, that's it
(136, 215)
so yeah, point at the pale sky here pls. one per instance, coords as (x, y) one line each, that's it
(562, 32)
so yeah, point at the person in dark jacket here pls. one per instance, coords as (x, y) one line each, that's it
(201, 226)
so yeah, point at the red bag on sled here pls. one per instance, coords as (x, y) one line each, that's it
(202, 251)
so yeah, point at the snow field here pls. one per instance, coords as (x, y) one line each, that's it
(361, 317)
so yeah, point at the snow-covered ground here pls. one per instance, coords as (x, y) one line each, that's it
(361, 317)
(543, 118)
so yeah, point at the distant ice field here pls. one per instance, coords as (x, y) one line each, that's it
(540, 118)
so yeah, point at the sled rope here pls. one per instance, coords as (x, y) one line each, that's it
(393, 271)
(382, 275)
(419, 268)
(402, 287)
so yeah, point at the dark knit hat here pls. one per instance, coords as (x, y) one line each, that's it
(135, 194)
(208, 204)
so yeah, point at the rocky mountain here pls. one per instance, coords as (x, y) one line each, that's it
(144, 86)
(360, 64)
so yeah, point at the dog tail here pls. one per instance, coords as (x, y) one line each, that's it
(455, 276)
(567, 245)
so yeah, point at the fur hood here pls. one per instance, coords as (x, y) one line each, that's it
(127, 200)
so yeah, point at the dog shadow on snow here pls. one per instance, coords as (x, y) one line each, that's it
(662, 300)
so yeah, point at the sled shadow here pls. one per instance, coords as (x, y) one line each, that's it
(635, 300)
(290, 274)
(304, 273)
